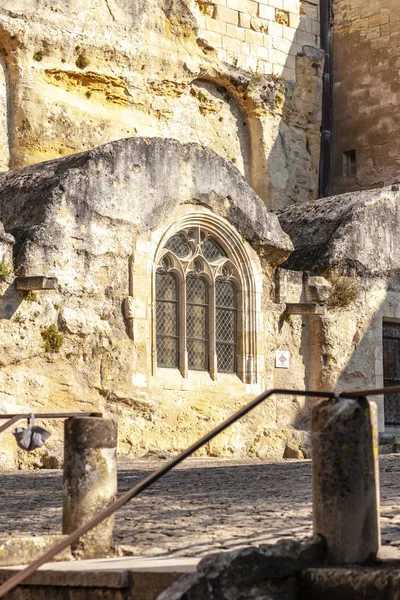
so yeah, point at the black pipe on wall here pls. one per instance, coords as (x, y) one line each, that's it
(326, 125)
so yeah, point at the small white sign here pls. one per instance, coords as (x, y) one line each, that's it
(282, 359)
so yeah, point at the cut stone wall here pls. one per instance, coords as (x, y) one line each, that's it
(366, 95)
(264, 37)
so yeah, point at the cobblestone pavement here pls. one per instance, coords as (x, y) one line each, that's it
(204, 505)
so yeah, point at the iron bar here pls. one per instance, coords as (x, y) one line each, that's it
(379, 391)
(158, 473)
(15, 418)
(51, 415)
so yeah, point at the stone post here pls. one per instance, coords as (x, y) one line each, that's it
(345, 479)
(90, 481)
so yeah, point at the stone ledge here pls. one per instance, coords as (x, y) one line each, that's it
(36, 283)
(23, 550)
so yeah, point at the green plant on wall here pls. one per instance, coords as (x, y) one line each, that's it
(38, 56)
(52, 339)
(5, 269)
(345, 291)
(30, 296)
(81, 62)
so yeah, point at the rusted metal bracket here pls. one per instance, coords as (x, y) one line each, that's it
(309, 308)
(38, 282)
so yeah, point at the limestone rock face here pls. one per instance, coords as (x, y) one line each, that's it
(94, 221)
(353, 241)
(74, 77)
(355, 233)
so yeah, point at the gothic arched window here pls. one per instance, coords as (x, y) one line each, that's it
(200, 305)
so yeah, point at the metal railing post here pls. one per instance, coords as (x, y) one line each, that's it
(345, 479)
(90, 481)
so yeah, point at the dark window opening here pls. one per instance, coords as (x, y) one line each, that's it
(349, 163)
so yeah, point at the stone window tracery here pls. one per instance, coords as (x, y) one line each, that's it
(202, 304)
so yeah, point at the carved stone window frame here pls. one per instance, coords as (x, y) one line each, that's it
(236, 266)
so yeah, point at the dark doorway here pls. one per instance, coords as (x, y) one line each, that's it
(391, 371)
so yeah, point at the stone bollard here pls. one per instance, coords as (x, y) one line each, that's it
(90, 481)
(346, 479)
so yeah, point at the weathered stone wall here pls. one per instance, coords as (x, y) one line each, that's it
(366, 94)
(95, 222)
(353, 240)
(240, 77)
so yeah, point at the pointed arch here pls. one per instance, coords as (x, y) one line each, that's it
(205, 245)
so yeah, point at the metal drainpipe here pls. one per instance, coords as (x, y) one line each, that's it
(326, 124)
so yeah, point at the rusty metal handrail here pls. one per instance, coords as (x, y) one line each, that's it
(19, 417)
(158, 473)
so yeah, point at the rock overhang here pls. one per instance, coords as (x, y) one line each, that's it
(356, 233)
(140, 181)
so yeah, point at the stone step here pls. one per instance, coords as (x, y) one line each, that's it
(132, 578)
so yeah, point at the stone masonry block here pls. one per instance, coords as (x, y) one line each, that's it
(216, 26)
(254, 37)
(245, 50)
(305, 24)
(294, 20)
(237, 5)
(278, 58)
(266, 67)
(284, 72)
(244, 20)
(291, 5)
(231, 45)
(234, 32)
(263, 53)
(304, 38)
(310, 11)
(289, 33)
(275, 29)
(228, 15)
(281, 44)
(214, 39)
(266, 12)
(316, 28)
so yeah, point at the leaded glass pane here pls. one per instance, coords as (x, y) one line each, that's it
(167, 319)
(226, 358)
(211, 250)
(166, 288)
(225, 321)
(179, 245)
(197, 355)
(225, 293)
(197, 322)
(196, 290)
